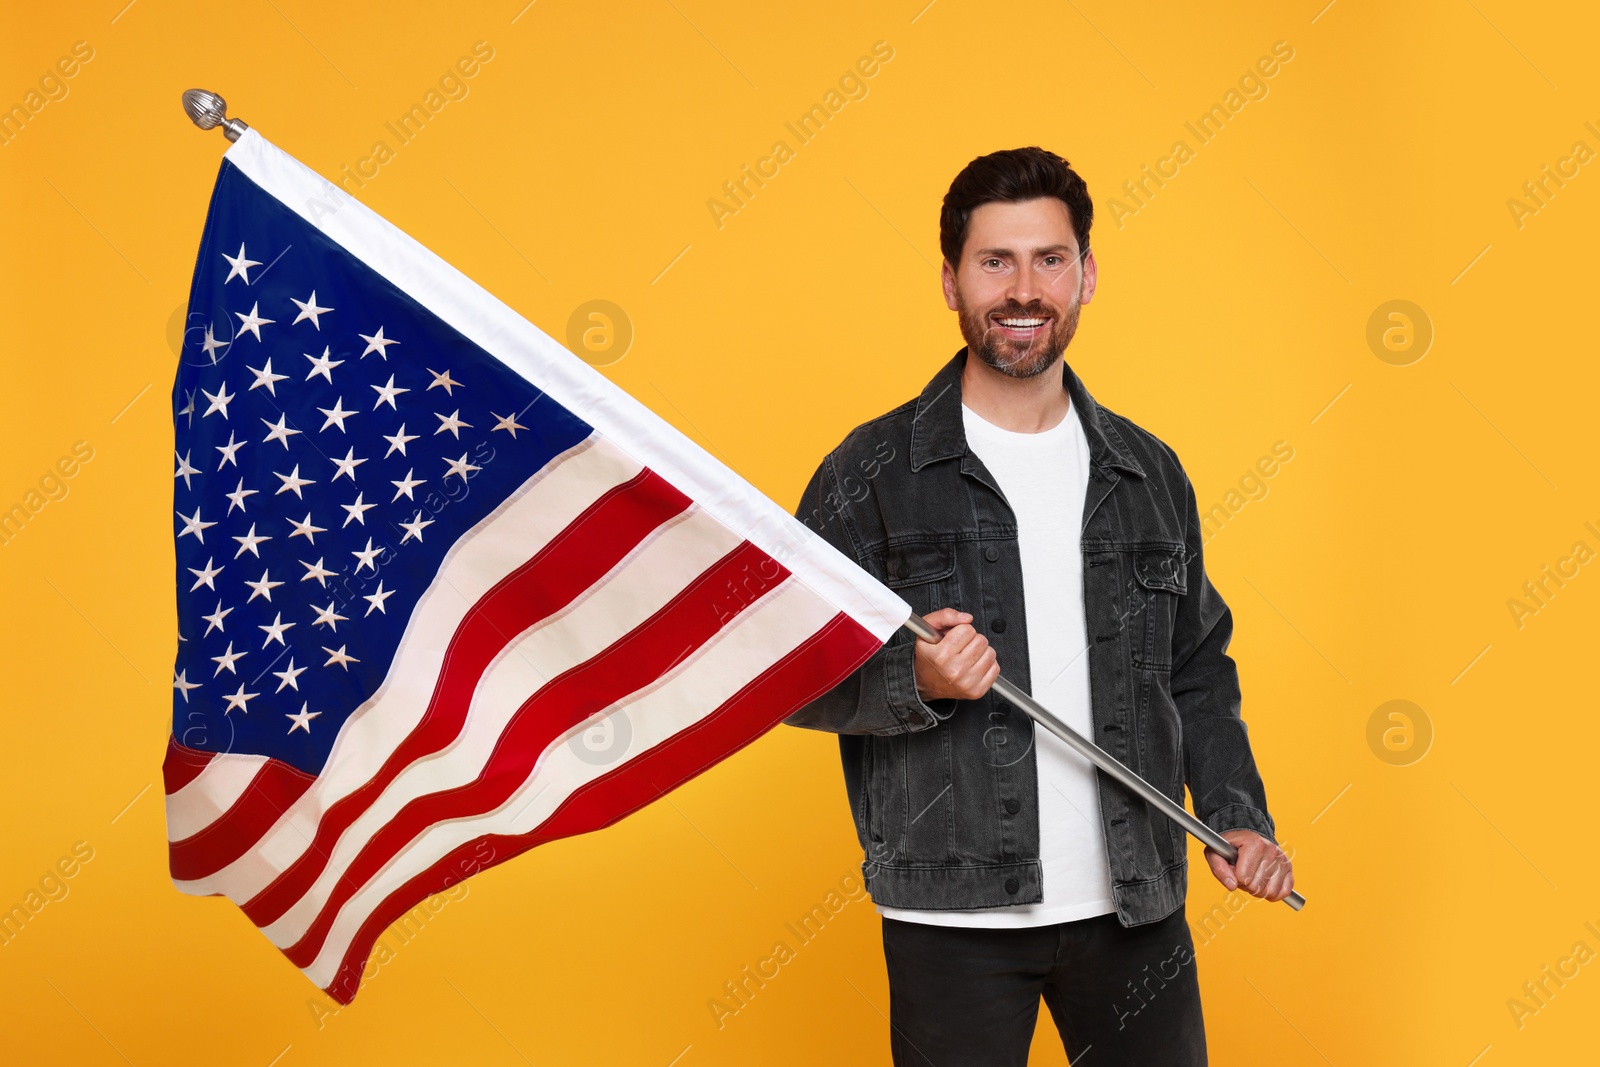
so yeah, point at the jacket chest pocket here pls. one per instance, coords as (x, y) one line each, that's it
(923, 574)
(1160, 577)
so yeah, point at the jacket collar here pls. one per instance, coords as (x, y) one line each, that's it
(937, 431)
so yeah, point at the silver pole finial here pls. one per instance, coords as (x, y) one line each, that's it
(206, 110)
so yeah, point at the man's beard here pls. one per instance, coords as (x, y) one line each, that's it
(1025, 359)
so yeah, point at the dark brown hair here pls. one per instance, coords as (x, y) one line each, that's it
(1012, 175)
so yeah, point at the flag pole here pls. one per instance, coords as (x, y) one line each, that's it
(207, 110)
(1105, 761)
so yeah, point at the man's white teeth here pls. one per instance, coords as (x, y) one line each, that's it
(1021, 323)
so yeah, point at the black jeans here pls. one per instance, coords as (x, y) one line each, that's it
(964, 997)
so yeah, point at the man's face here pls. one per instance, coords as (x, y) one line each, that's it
(1020, 285)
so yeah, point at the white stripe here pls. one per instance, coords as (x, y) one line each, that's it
(210, 793)
(571, 382)
(638, 587)
(770, 629)
(501, 542)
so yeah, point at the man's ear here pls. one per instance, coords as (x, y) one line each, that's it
(1091, 275)
(947, 277)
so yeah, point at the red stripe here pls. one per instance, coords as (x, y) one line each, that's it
(578, 557)
(182, 765)
(810, 670)
(275, 786)
(629, 664)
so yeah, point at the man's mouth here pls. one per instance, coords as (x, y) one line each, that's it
(1020, 327)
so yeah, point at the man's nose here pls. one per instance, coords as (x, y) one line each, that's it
(1024, 285)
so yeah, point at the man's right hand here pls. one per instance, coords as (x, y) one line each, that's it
(962, 664)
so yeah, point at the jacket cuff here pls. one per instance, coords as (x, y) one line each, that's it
(1241, 817)
(900, 685)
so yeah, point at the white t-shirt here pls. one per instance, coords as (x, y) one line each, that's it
(1045, 477)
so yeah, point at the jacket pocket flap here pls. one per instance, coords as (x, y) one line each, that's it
(1162, 568)
(912, 564)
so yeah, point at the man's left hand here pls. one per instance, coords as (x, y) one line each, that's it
(1262, 869)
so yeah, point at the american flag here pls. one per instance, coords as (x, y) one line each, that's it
(444, 592)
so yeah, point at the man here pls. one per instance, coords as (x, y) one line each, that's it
(1039, 531)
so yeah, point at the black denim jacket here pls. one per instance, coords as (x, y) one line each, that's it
(945, 794)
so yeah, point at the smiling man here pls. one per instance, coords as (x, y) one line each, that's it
(1037, 529)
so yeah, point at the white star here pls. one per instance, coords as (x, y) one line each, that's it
(336, 414)
(290, 676)
(508, 423)
(377, 599)
(215, 619)
(263, 587)
(195, 526)
(339, 657)
(188, 407)
(238, 495)
(184, 469)
(317, 571)
(248, 543)
(387, 393)
(397, 443)
(322, 365)
(365, 557)
(292, 482)
(461, 467)
(253, 322)
(306, 529)
(180, 682)
(302, 720)
(329, 616)
(357, 511)
(209, 346)
(452, 423)
(405, 485)
(309, 310)
(219, 401)
(443, 381)
(278, 431)
(377, 343)
(239, 266)
(224, 662)
(347, 465)
(414, 528)
(274, 632)
(265, 377)
(227, 451)
(203, 575)
(240, 700)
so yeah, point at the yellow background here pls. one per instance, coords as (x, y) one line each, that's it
(1232, 314)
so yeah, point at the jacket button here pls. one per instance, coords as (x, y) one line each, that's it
(1013, 805)
(1012, 885)
(991, 553)
(998, 626)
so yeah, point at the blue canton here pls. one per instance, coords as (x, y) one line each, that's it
(334, 439)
